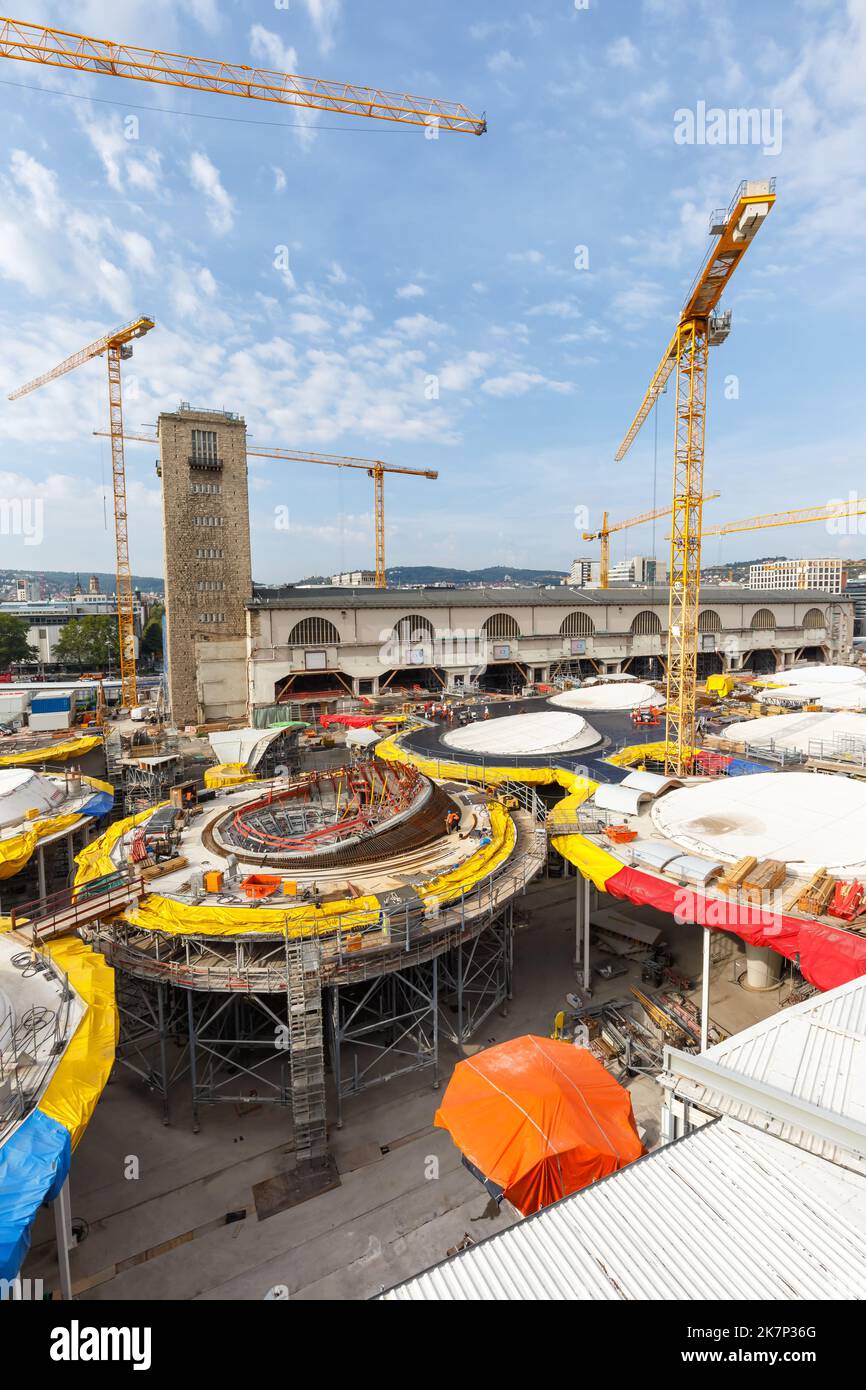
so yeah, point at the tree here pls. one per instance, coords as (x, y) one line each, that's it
(88, 642)
(13, 641)
(151, 638)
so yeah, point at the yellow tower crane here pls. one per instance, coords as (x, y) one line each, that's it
(798, 516)
(374, 468)
(701, 325)
(605, 532)
(117, 347)
(824, 511)
(36, 43)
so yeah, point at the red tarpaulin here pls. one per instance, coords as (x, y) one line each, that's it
(538, 1119)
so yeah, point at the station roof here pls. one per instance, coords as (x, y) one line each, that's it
(292, 596)
(726, 1213)
(799, 1074)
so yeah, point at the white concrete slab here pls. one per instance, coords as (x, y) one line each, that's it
(802, 731)
(807, 819)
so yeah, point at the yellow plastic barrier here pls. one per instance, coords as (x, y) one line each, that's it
(228, 775)
(52, 752)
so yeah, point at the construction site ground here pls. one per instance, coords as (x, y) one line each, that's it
(169, 1214)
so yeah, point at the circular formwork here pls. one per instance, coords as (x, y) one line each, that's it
(806, 820)
(375, 911)
(609, 695)
(534, 735)
(338, 817)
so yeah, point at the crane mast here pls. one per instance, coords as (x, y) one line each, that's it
(700, 326)
(117, 348)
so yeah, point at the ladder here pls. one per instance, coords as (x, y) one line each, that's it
(306, 1049)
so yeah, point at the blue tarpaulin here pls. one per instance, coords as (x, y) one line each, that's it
(34, 1163)
(741, 767)
(99, 804)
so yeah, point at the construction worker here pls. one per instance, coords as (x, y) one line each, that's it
(452, 820)
(486, 714)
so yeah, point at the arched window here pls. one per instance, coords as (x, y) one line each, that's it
(501, 625)
(412, 628)
(814, 618)
(708, 621)
(577, 625)
(314, 632)
(646, 624)
(763, 620)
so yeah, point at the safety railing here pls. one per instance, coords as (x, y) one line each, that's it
(31, 1044)
(70, 908)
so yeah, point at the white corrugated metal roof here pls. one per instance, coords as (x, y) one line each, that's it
(728, 1212)
(814, 1052)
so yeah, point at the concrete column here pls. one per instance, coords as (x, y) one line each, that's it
(40, 873)
(763, 967)
(65, 1240)
(587, 973)
(705, 992)
(579, 909)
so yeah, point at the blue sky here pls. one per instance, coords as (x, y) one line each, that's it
(411, 258)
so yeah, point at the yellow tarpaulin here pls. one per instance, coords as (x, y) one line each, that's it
(18, 849)
(52, 752)
(720, 685)
(182, 919)
(228, 775)
(81, 1074)
(94, 861)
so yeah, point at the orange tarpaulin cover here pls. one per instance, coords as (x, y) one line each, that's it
(539, 1119)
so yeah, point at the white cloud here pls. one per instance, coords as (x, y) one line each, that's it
(504, 61)
(268, 49)
(39, 183)
(462, 372)
(205, 177)
(556, 308)
(518, 382)
(324, 16)
(622, 53)
(411, 292)
(418, 326)
(336, 274)
(280, 180)
(139, 251)
(527, 257)
(640, 300)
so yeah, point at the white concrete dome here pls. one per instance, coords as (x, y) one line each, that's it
(613, 695)
(534, 735)
(805, 819)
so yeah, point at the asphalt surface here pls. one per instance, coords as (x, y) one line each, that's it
(615, 728)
